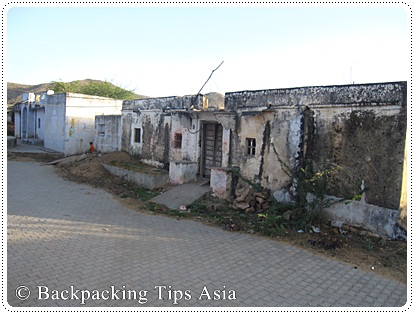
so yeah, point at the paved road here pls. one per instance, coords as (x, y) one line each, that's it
(70, 244)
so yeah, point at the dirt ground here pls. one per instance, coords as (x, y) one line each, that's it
(350, 245)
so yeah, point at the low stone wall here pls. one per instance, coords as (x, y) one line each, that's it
(182, 171)
(148, 181)
(382, 221)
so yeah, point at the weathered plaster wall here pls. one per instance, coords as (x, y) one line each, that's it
(108, 133)
(360, 128)
(181, 123)
(153, 146)
(273, 130)
(159, 120)
(367, 143)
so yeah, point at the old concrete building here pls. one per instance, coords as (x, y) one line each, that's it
(180, 134)
(63, 122)
(359, 130)
(273, 135)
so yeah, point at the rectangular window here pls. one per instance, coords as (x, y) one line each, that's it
(38, 123)
(101, 129)
(137, 135)
(178, 139)
(251, 146)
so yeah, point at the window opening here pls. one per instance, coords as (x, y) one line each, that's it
(178, 139)
(137, 135)
(251, 146)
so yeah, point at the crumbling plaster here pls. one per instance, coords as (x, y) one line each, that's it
(358, 127)
(367, 143)
(108, 133)
(160, 119)
(263, 167)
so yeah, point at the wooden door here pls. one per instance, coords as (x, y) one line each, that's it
(212, 147)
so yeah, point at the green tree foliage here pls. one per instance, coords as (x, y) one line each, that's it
(95, 88)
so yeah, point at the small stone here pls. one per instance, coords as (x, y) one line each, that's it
(242, 206)
(287, 214)
(265, 206)
(249, 210)
(260, 200)
(336, 223)
(260, 194)
(239, 199)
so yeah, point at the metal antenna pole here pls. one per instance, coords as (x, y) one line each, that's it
(209, 78)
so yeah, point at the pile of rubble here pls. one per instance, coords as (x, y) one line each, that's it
(249, 201)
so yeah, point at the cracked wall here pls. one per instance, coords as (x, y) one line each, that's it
(360, 128)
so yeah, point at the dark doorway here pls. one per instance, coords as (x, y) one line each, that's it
(212, 147)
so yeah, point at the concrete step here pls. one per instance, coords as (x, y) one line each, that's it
(183, 194)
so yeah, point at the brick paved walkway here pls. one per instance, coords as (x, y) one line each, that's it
(63, 236)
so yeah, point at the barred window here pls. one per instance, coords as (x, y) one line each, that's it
(137, 135)
(251, 146)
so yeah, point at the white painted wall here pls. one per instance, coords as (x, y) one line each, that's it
(80, 120)
(54, 124)
(40, 116)
(69, 120)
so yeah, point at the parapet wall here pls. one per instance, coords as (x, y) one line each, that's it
(379, 93)
(165, 103)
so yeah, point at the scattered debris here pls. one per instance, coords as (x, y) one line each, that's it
(332, 245)
(315, 229)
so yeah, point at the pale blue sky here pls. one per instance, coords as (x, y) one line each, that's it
(162, 51)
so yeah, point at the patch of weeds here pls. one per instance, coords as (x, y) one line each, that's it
(269, 224)
(153, 207)
(160, 209)
(176, 213)
(402, 253)
(144, 194)
(382, 242)
(370, 245)
(197, 206)
(387, 262)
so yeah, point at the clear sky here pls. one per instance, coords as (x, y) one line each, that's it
(160, 51)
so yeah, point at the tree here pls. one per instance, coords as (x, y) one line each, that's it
(95, 88)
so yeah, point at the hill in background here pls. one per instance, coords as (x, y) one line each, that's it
(15, 90)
